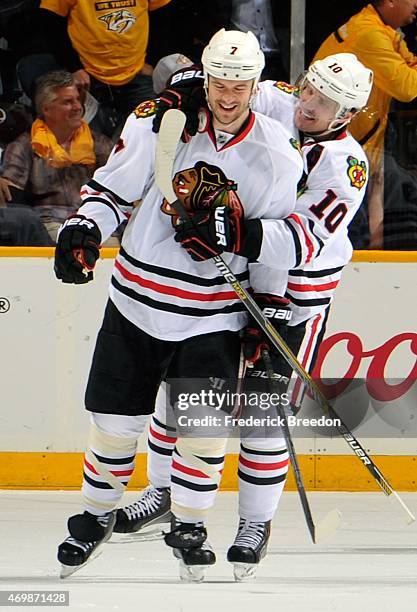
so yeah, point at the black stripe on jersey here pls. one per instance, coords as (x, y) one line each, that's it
(297, 243)
(110, 205)
(159, 449)
(163, 426)
(251, 451)
(121, 461)
(182, 310)
(188, 278)
(311, 226)
(210, 460)
(192, 485)
(101, 485)
(315, 273)
(315, 302)
(261, 481)
(94, 185)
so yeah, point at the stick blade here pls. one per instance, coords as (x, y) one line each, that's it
(409, 516)
(328, 526)
(169, 135)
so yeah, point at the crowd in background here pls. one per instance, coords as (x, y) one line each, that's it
(70, 73)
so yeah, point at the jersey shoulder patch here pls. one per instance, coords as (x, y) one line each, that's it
(287, 88)
(356, 171)
(145, 109)
(296, 144)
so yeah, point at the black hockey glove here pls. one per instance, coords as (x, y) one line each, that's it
(218, 230)
(185, 91)
(77, 250)
(278, 312)
(208, 233)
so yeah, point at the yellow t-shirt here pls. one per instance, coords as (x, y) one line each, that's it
(383, 50)
(110, 36)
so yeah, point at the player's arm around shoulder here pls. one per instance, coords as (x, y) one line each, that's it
(286, 166)
(277, 100)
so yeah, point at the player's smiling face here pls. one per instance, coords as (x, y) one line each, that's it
(315, 111)
(229, 102)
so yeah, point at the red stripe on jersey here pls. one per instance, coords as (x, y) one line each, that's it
(255, 465)
(168, 290)
(309, 244)
(323, 287)
(160, 436)
(235, 139)
(187, 470)
(85, 191)
(114, 472)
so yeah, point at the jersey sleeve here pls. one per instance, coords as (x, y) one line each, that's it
(277, 100)
(108, 197)
(326, 205)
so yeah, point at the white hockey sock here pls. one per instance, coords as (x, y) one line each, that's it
(195, 477)
(262, 473)
(109, 460)
(161, 442)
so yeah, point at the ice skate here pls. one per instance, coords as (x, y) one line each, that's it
(153, 507)
(249, 548)
(191, 548)
(87, 535)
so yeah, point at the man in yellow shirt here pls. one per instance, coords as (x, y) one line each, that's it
(373, 36)
(104, 45)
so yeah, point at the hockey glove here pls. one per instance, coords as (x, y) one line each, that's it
(218, 230)
(185, 91)
(278, 312)
(209, 233)
(77, 250)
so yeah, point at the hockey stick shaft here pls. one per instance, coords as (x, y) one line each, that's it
(290, 447)
(169, 135)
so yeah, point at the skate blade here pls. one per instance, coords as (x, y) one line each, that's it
(68, 570)
(328, 526)
(192, 573)
(137, 536)
(244, 572)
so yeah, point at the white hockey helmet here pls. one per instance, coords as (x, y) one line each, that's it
(342, 78)
(234, 56)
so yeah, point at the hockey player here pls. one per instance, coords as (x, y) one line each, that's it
(166, 310)
(313, 243)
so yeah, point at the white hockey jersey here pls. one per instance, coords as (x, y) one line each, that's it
(313, 242)
(155, 283)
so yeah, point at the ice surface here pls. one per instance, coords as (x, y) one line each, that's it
(370, 564)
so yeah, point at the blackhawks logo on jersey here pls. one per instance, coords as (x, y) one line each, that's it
(145, 109)
(202, 187)
(356, 172)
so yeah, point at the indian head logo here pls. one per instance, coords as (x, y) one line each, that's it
(356, 172)
(119, 21)
(202, 187)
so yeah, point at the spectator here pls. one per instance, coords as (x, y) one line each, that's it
(104, 47)
(46, 167)
(372, 34)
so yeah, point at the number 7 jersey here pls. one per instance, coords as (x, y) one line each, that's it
(330, 193)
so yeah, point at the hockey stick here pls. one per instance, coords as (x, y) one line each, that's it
(169, 136)
(331, 521)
